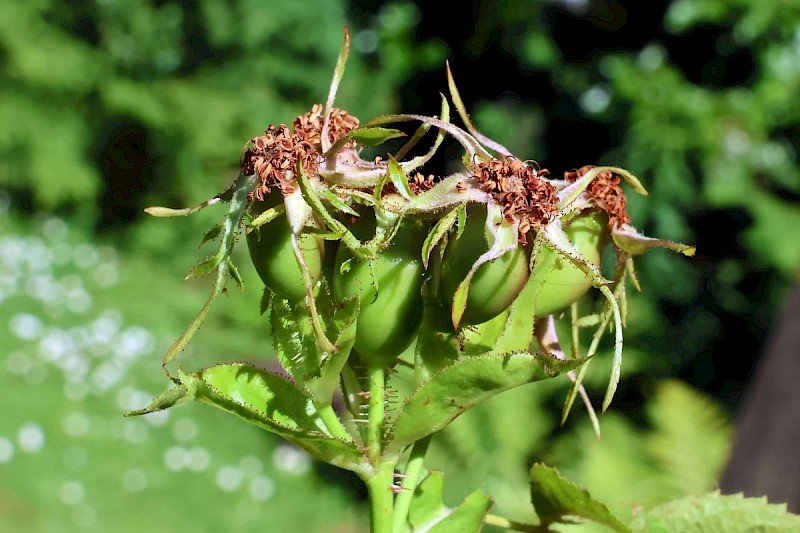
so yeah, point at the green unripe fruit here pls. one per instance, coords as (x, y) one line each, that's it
(272, 254)
(565, 283)
(495, 284)
(389, 315)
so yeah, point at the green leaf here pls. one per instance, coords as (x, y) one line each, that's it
(257, 389)
(266, 400)
(467, 517)
(375, 136)
(558, 500)
(294, 340)
(428, 512)
(691, 439)
(715, 512)
(465, 383)
(437, 344)
(427, 503)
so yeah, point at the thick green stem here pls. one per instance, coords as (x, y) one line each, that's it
(410, 480)
(377, 386)
(332, 422)
(381, 498)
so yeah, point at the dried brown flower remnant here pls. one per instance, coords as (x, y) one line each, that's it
(274, 155)
(520, 189)
(605, 193)
(309, 125)
(418, 183)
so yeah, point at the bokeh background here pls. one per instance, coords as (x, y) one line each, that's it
(109, 106)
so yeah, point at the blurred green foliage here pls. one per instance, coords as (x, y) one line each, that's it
(156, 99)
(110, 106)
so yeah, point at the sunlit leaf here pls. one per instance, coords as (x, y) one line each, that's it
(465, 383)
(716, 512)
(558, 500)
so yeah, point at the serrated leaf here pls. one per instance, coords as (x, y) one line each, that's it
(254, 388)
(294, 340)
(467, 517)
(375, 136)
(713, 512)
(464, 384)
(691, 439)
(271, 402)
(558, 500)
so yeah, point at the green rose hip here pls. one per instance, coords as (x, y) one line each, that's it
(272, 254)
(389, 291)
(495, 284)
(565, 283)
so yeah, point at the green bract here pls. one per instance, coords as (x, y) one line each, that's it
(388, 288)
(562, 283)
(271, 250)
(495, 284)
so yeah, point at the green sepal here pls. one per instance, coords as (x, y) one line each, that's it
(436, 234)
(210, 235)
(235, 275)
(266, 216)
(399, 178)
(375, 136)
(165, 400)
(338, 203)
(203, 268)
(231, 224)
(558, 500)
(634, 243)
(464, 384)
(343, 329)
(265, 302)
